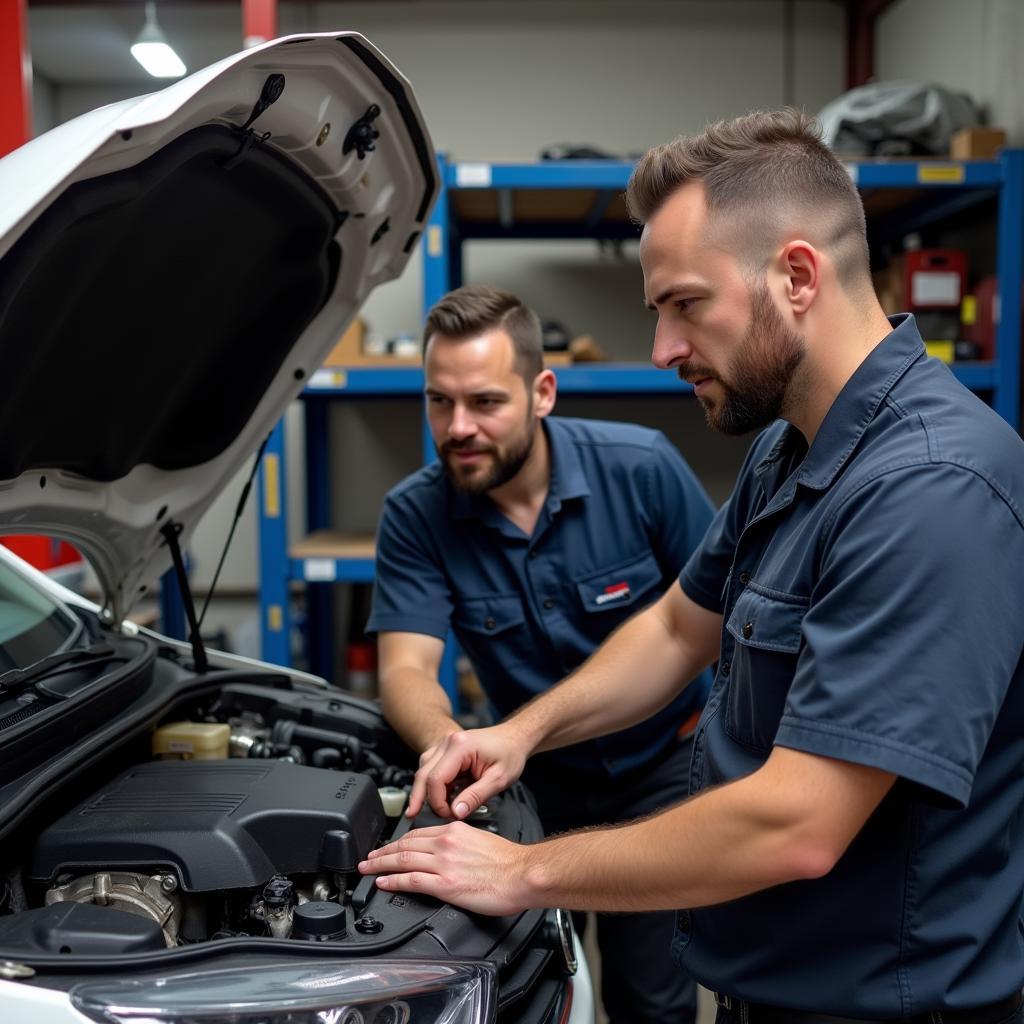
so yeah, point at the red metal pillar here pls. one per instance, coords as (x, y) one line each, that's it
(259, 21)
(861, 16)
(15, 76)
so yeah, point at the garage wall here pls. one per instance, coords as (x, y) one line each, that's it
(498, 81)
(44, 115)
(975, 47)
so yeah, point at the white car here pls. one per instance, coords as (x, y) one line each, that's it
(180, 828)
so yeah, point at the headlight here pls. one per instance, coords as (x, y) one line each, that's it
(317, 992)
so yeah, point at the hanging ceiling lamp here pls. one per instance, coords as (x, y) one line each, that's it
(152, 50)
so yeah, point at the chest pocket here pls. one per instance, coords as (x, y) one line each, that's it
(766, 632)
(611, 595)
(492, 630)
(490, 615)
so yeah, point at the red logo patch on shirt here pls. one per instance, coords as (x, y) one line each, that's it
(615, 592)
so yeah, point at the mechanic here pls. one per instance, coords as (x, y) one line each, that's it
(532, 538)
(854, 848)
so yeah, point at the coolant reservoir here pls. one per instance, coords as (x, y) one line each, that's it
(192, 741)
(393, 800)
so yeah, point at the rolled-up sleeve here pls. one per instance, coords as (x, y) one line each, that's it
(913, 631)
(411, 593)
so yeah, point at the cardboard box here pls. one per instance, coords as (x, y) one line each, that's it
(976, 143)
(557, 359)
(349, 350)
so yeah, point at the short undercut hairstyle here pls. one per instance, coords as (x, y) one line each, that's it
(475, 309)
(763, 174)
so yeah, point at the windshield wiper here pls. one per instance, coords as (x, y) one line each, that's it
(19, 678)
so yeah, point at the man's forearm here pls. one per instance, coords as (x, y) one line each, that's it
(417, 707)
(781, 824)
(704, 851)
(791, 819)
(637, 671)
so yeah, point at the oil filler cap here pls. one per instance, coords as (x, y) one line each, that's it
(319, 921)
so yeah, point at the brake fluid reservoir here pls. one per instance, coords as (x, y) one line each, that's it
(192, 741)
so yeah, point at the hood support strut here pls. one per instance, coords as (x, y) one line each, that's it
(171, 531)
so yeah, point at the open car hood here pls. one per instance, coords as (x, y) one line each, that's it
(172, 269)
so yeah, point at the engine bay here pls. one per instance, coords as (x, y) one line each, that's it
(247, 822)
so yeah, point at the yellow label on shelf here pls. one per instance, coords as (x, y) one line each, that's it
(271, 486)
(944, 350)
(940, 174)
(969, 310)
(275, 618)
(434, 239)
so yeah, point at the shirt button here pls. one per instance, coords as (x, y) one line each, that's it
(489, 622)
(744, 578)
(748, 630)
(549, 603)
(726, 668)
(533, 553)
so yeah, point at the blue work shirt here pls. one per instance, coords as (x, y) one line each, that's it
(874, 613)
(622, 515)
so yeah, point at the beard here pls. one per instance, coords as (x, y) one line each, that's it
(761, 374)
(504, 463)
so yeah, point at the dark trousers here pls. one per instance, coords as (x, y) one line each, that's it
(1008, 1011)
(640, 983)
(724, 1016)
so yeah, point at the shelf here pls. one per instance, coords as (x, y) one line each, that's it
(365, 380)
(977, 376)
(619, 378)
(588, 378)
(332, 556)
(584, 198)
(463, 177)
(598, 378)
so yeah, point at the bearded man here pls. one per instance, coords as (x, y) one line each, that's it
(854, 848)
(532, 538)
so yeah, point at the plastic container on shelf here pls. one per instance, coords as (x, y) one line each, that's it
(361, 668)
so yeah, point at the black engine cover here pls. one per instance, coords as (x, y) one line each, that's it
(219, 825)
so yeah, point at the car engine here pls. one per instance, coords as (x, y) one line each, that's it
(214, 826)
(165, 821)
(258, 837)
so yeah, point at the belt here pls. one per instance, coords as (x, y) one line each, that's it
(757, 1013)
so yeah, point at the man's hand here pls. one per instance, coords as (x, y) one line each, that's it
(493, 757)
(456, 863)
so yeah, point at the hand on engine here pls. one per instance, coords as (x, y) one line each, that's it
(491, 757)
(456, 863)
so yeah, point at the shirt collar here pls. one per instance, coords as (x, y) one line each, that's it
(855, 406)
(567, 479)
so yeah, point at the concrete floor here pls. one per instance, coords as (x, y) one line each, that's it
(705, 1001)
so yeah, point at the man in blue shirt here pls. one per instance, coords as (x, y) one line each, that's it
(855, 847)
(532, 538)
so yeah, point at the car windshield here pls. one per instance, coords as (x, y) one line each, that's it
(32, 624)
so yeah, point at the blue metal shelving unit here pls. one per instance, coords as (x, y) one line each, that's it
(582, 199)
